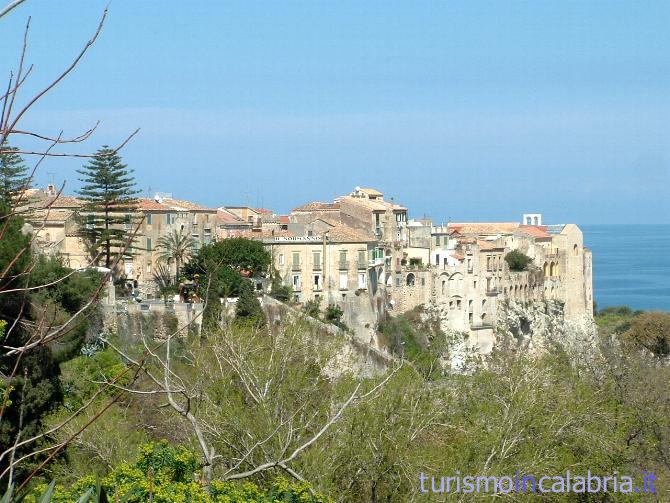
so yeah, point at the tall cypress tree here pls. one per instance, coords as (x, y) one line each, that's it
(108, 216)
(13, 174)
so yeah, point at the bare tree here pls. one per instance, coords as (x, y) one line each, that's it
(38, 328)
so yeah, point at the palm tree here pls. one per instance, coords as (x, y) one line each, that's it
(175, 246)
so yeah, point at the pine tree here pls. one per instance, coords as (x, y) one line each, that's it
(107, 219)
(13, 174)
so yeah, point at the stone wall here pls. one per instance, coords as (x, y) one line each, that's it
(355, 355)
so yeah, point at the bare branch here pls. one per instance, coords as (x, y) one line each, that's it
(9, 7)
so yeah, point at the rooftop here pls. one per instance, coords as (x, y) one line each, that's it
(318, 206)
(484, 228)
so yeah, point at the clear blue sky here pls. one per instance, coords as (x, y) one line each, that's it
(465, 110)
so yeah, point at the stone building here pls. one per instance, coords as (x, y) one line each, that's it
(335, 266)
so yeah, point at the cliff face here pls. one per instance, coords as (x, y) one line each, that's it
(537, 326)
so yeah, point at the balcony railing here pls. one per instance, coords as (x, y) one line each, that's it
(362, 264)
(376, 261)
(481, 325)
(316, 267)
(296, 266)
(343, 264)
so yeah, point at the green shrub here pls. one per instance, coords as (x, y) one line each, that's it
(517, 261)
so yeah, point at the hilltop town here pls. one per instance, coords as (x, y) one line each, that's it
(359, 252)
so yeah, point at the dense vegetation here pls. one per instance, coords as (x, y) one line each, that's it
(540, 414)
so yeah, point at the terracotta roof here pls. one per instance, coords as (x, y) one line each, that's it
(151, 205)
(61, 202)
(535, 231)
(187, 205)
(488, 245)
(283, 219)
(457, 256)
(484, 228)
(50, 215)
(344, 234)
(225, 216)
(318, 206)
(263, 211)
(371, 192)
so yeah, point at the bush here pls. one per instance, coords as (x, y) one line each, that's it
(165, 474)
(280, 291)
(517, 261)
(651, 331)
(312, 308)
(248, 308)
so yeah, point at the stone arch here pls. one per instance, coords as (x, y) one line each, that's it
(456, 279)
(545, 268)
(410, 279)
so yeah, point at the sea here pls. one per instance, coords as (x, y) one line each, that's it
(631, 265)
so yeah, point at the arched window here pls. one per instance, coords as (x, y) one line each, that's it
(444, 287)
(410, 279)
(456, 282)
(546, 269)
(575, 250)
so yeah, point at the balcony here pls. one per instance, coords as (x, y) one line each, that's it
(491, 292)
(362, 264)
(316, 267)
(343, 265)
(296, 266)
(481, 325)
(373, 262)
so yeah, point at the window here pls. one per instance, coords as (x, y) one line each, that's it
(127, 222)
(362, 280)
(437, 240)
(398, 280)
(296, 282)
(148, 267)
(149, 244)
(296, 259)
(344, 280)
(458, 303)
(317, 282)
(316, 256)
(361, 258)
(343, 259)
(281, 259)
(149, 215)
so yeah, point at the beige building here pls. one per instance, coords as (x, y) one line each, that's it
(336, 266)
